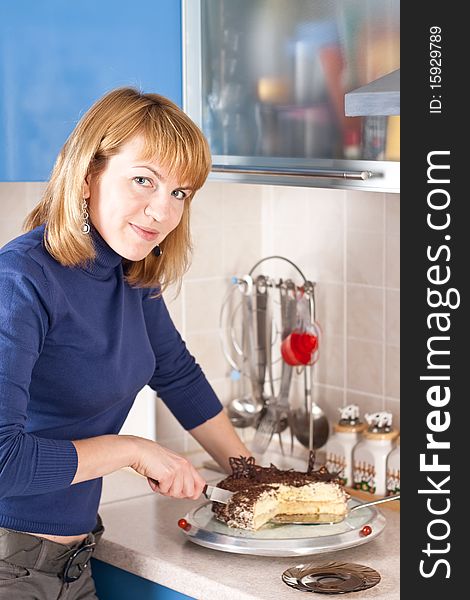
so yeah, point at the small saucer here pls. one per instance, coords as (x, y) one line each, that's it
(331, 578)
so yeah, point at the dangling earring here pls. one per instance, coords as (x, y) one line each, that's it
(157, 251)
(85, 216)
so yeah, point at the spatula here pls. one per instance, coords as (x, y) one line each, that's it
(326, 519)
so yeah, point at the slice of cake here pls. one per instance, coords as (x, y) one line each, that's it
(261, 493)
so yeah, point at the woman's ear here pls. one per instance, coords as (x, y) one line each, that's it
(86, 188)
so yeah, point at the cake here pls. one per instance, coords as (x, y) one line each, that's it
(261, 493)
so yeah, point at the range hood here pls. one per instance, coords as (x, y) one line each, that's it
(380, 97)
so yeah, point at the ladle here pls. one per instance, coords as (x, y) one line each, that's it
(245, 410)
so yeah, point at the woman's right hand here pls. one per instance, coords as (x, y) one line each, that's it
(169, 473)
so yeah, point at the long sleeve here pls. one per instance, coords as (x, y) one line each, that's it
(28, 464)
(178, 379)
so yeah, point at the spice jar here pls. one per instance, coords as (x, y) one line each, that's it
(370, 454)
(346, 434)
(393, 470)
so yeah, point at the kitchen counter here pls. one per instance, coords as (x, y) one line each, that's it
(143, 538)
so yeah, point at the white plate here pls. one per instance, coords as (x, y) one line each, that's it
(283, 540)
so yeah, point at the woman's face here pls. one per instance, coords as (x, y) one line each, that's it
(134, 204)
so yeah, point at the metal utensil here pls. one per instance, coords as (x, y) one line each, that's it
(287, 292)
(216, 494)
(311, 426)
(269, 416)
(326, 519)
(244, 411)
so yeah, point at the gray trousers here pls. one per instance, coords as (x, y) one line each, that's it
(19, 583)
(33, 568)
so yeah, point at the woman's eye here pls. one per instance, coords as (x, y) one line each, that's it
(179, 194)
(142, 181)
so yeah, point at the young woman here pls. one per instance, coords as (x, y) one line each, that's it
(83, 327)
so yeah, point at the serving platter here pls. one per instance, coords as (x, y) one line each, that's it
(360, 527)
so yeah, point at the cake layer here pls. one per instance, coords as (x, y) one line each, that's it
(261, 493)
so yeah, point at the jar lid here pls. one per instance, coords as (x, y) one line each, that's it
(381, 435)
(356, 428)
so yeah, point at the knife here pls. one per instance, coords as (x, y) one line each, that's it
(217, 494)
(211, 493)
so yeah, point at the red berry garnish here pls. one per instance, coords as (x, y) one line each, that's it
(182, 523)
(366, 530)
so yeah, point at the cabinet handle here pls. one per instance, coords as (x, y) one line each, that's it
(320, 173)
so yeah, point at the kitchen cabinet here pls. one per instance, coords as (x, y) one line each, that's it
(266, 80)
(115, 584)
(57, 58)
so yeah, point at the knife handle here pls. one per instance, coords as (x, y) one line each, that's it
(204, 490)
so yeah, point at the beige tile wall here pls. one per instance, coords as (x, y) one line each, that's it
(348, 242)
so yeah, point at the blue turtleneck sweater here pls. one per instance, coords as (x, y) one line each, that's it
(76, 346)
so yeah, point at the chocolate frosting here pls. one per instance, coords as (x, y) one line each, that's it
(249, 481)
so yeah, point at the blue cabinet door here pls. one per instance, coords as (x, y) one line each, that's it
(58, 56)
(115, 584)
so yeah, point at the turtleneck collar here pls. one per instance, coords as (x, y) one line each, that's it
(106, 259)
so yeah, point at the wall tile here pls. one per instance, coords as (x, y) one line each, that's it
(392, 320)
(330, 366)
(370, 404)
(365, 211)
(175, 306)
(330, 399)
(33, 193)
(330, 307)
(365, 312)
(167, 427)
(202, 302)
(392, 207)
(241, 203)
(9, 229)
(367, 403)
(392, 372)
(392, 269)
(288, 203)
(364, 366)
(241, 248)
(226, 389)
(208, 205)
(319, 254)
(13, 200)
(393, 406)
(325, 208)
(206, 349)
(365, 258)
(207, 258)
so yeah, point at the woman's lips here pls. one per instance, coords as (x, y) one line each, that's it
(148, 236)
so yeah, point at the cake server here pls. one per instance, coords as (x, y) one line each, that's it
(212, 493)
(217, 494)
(326, 519)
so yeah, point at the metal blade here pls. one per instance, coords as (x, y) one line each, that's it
(217, 494)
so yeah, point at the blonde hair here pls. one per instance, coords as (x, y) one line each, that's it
(169, 135)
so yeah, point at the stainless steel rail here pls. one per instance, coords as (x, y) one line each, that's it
(320, 173)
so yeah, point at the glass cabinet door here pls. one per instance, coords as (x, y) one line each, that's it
(266, 81)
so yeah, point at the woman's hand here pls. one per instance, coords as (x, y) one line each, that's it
(168, 473)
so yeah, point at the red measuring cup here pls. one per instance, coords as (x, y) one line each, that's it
(299, 347)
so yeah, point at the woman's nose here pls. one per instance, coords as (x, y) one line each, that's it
(158, 209)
